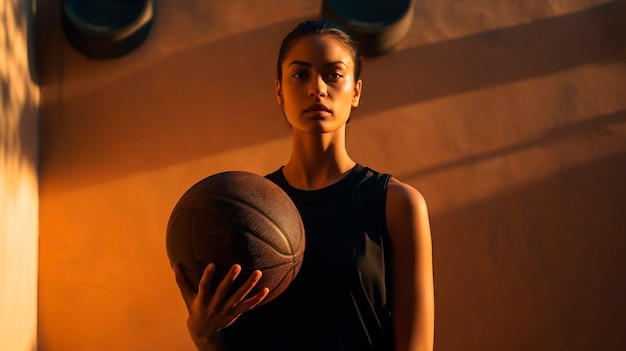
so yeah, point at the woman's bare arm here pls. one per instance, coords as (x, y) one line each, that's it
(414, 307)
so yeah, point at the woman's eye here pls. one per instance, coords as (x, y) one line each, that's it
(299, 75)
(334, 76)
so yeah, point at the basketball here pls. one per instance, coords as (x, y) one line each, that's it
(237, 217)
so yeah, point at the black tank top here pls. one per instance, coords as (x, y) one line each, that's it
(341, 298)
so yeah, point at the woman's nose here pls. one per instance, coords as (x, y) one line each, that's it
(318, 87)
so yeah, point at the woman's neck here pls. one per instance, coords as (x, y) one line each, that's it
(317, 161)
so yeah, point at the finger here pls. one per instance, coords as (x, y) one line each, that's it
(204, 286)
(250, 303)
(224, 287)
(246, 287)
(185, 288)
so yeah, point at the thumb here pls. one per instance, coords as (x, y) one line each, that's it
(185, 288)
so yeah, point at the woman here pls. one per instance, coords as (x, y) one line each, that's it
(367, 280)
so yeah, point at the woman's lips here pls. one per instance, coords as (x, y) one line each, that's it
(317, 108)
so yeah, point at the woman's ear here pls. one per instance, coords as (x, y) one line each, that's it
(279, 94)
(357, 93)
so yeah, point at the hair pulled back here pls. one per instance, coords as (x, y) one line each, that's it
(321, 27)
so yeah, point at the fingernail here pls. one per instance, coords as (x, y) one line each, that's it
(236, 268)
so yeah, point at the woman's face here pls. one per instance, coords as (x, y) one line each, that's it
(317, 90)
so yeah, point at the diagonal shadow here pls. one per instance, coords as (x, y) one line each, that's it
(564, 230)
(219, 96)
(497, 57)
(590, 125)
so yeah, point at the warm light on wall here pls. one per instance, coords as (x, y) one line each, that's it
(18, 181)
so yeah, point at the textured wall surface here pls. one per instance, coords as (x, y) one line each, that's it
(19, 100)
(509, 116)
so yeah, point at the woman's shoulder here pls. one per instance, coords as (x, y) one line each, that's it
(403, 194)
(406, 207)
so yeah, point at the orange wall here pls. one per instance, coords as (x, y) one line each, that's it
(510, 117)
(19, 198)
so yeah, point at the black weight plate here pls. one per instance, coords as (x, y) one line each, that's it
(379, 25)
(105, 29)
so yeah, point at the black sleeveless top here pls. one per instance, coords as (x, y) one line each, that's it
(341, 298)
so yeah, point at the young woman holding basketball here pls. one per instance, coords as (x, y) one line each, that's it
(367, 278)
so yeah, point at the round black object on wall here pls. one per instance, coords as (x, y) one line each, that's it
(378, 25)
(105, 29)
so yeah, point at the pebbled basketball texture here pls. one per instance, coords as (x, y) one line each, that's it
(237, 217)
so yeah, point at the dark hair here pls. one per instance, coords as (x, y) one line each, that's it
(321, 27)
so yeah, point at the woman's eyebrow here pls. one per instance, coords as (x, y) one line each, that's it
(300, 63)
(307, 64)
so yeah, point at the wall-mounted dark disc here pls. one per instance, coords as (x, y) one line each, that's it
(379, 25)
(106, 29)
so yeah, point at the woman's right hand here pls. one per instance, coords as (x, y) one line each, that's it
(210, 311)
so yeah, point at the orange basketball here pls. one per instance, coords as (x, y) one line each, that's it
(237, 217)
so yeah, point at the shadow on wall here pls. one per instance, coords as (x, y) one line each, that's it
(193, 103)
(496, 57)
(198, 101)
(17, 128)
(595, 125)
(540, 268)
(18, 178)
